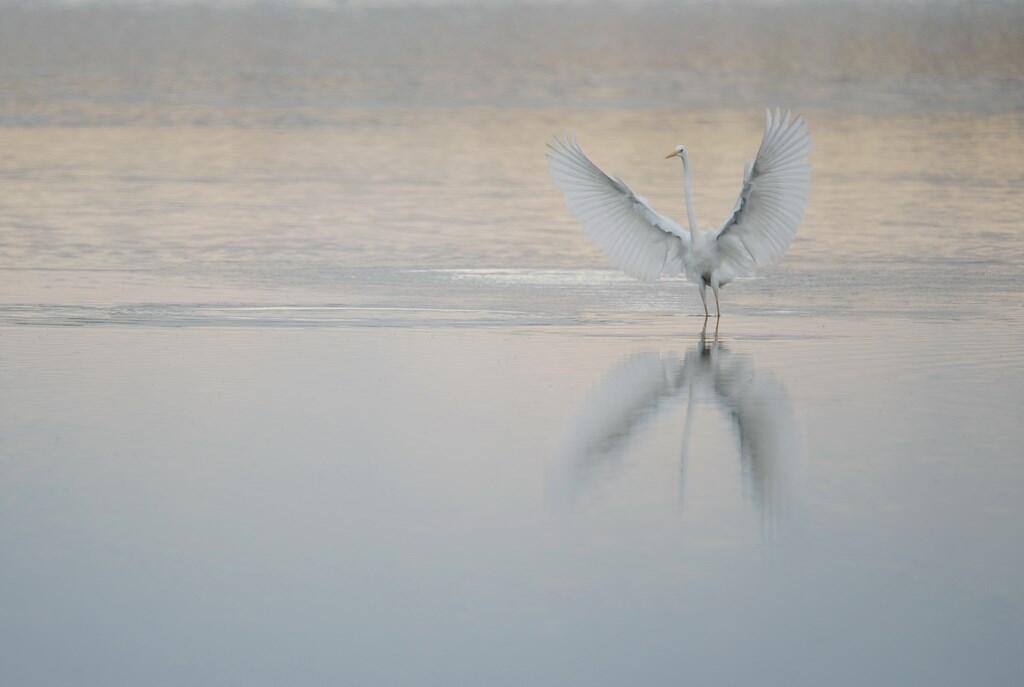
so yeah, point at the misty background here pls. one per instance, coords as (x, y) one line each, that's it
(293, 63)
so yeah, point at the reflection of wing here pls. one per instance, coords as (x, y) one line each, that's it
(633, 391)
(627, 394)
(763, 415)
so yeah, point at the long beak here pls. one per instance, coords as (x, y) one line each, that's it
(671, 155)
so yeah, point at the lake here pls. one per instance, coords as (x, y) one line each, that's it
(310, 377)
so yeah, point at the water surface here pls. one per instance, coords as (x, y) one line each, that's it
(309, 377)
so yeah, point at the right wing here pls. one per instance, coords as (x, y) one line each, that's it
(637, 240)
(773, 198)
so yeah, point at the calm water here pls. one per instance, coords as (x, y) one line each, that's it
(308, 383)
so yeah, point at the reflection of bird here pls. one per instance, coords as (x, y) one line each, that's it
(629, 393)
(647, 245)
(632, 391)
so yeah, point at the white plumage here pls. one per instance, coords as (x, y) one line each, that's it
(645, 244)
(637, 239)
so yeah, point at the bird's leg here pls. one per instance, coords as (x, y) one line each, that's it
(718, 308)
(702, 287)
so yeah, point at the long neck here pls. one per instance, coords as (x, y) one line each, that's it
(691, 216)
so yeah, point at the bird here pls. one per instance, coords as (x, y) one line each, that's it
(647, 245)
(641, 385)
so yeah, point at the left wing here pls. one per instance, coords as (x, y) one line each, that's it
(633, 235)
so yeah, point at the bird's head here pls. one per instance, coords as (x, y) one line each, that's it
(679, 152)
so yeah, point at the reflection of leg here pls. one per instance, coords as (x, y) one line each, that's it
(686, 444)
(703, 297)
(718, 308)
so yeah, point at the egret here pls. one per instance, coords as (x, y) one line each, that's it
(646, 244)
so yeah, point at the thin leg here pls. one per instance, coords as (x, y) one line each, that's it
(702, 287)
(718, 308)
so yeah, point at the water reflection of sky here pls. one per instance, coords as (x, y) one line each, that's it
(340, 496)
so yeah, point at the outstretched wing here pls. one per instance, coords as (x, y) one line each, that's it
(637, 240)
(773, 198)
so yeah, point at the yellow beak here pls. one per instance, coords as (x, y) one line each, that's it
(671, 155)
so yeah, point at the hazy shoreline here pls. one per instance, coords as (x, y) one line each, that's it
(185, 64)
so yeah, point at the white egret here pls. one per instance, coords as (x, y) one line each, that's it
(647, 245)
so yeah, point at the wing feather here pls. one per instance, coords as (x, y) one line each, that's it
(637, 239)
(772, 201)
